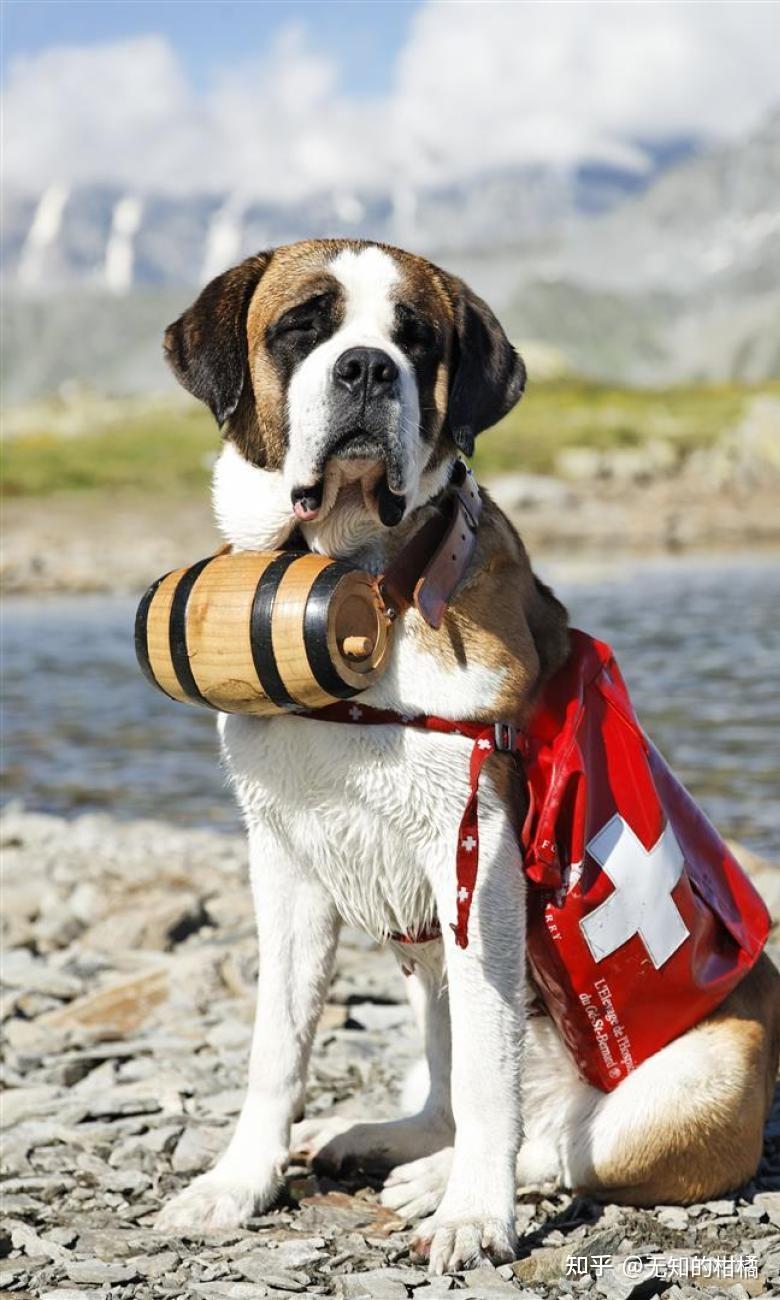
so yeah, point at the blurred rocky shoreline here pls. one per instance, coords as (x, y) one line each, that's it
(127, 1004)
(121, 542)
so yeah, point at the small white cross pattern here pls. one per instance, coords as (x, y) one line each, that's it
(463, 894)
(469, 844)
(641, 902)
(485, 744)
(355, 713)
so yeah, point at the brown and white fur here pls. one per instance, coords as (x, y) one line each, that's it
(358, 824)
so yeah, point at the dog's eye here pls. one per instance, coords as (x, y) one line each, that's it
(414, 333)
(296, 327)
(303, 322)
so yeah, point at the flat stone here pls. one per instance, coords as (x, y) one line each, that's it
(753, 1211)
(161, 1139)
(131, 1182)
(228, 1102)
(547, 1263)
(339, 1211)
(673, 1216)
(229, 1033)
(66, 1293)
(157, 1266)
(230, 1290)
(297, 1254)
(23, 971)
(487, 1279)
(122, 1007)
(770, 1203)
(12, 1273)
(20, 1104)
(44, 1186)
(99, 1273)
(256, 1269)
(374, 1285)
(374, 1015)
(160, 922)
(197, 1148)
(616, 1285)
(26, 1239)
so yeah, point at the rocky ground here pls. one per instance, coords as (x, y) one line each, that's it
(129, 988)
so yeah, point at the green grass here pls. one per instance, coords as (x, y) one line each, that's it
(162, 450)
(578, 413)
(168, 447)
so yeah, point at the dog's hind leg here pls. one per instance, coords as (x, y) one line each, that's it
(339, 1141)
(297, 930)
(687, 1125)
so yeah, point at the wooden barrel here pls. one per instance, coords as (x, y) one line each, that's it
(260, 633)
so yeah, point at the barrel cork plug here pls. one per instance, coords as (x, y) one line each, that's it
(357, 647)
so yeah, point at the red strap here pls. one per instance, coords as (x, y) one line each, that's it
(487, 740)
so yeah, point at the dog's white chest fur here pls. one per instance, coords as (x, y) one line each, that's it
(370, 811)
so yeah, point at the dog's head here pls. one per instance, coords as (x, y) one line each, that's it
(347, 375)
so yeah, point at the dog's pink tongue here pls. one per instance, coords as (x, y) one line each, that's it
(306, 502)
(305, 512)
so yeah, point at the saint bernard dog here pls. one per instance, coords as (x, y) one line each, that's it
(347, 377)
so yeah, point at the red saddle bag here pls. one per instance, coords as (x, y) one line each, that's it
(640, 919)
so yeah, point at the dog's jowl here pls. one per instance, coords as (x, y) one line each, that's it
(348, 378)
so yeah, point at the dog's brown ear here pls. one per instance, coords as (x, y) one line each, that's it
(487, 375)
(206, 347)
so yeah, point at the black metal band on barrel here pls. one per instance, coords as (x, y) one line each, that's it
(178, 634)
(141, 636)
(315, 632)
(260, 635)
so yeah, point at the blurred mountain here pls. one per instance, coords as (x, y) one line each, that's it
(98, 236)
(682, 281)
(662, 274)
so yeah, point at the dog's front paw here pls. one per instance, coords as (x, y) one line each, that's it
(334, 1144)
(322, 1139)
(414, 1190)
(214, 1202)
(451, 1245)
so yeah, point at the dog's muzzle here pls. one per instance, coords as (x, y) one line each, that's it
(366, 426)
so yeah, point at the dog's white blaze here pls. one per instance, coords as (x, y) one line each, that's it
(368, 278)
(642, 901)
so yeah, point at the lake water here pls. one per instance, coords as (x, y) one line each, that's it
(697, 641)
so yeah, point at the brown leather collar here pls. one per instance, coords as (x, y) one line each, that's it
(434, 561)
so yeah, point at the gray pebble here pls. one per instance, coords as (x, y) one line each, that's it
(197, 1147)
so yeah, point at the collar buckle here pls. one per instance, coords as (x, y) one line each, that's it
(505, 737)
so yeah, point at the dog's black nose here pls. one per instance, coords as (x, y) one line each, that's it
(366, 372)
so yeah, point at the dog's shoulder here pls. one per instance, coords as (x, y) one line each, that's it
(503, 634)
(506, 617)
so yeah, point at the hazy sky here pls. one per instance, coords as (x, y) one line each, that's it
(279, 100)
(364, 38)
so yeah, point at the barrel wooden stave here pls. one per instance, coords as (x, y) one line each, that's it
(218, 637)
(158, 636)
(288, 633)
